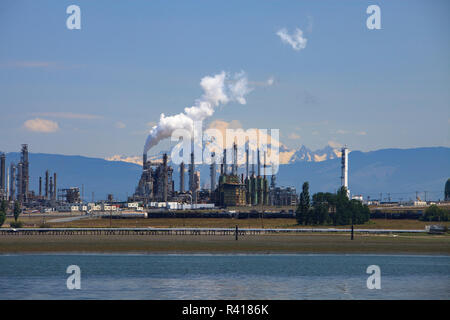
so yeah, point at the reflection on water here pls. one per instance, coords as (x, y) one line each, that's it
(224, 277)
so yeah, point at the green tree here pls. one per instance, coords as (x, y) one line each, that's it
(335, 209)
(447, 190)
(343, 210)
(322, 204)
(435, 213)
(17, 210)
(302, 213)
(3, 208)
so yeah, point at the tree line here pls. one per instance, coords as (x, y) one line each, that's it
(325, 208)
(16, 211)
(435, 213)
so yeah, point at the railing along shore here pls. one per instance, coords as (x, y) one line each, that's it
(188, 231)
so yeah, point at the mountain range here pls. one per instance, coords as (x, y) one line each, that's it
(396, 173)
(287, 155)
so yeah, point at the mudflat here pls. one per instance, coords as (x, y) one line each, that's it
(298, 243)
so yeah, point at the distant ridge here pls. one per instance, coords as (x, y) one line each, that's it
(400, 172)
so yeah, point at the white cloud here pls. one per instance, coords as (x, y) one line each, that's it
(41, 125)
(294, 136)
(120, 125)
(296, 40)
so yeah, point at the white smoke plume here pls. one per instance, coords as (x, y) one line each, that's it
(219, 89)
(296, 40)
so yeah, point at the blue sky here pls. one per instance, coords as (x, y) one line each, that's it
(130, 61)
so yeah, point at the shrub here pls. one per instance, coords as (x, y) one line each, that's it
(435, 213)
(2, 218)
(16, 224)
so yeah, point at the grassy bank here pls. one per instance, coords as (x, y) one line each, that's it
(209, 223)
(304, 243)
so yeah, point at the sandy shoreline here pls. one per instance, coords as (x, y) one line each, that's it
(259, 244)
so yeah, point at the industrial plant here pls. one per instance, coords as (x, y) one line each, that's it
(156, 185)
(15, 182)
(246, 185)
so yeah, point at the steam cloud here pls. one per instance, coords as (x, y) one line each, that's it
(219, 89)
(296, 40)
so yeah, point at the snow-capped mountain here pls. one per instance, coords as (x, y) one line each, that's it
(387, 170)
(305, 154)
(287, 155)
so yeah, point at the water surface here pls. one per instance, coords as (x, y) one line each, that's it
(126, 276)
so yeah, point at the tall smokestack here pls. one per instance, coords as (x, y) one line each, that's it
(40, 186)
(19, 182)
(259, 164)
(7, 187)
(264, 168)
(234, 159)
(225, 169)
(344, 169)
(165, 177)
(182, 177)
(144, 160)
(2, 172)
(253, 163)
(51, 188)
(213, 172)
(12, 181)
(46, 184)
(54, 186)
(246, 163)
(273, 180)
(191, 174)
(25, 172)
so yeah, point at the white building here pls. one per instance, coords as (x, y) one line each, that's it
(108, 207)
(133, 205)
(417, 203)
(94, 207)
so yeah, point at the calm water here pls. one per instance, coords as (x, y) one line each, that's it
(224, 277)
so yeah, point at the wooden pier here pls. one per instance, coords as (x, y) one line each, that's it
(188, 231)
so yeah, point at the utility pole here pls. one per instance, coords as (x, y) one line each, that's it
(353, 218)
(262, 213)
(352, 231)
(236, 233)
